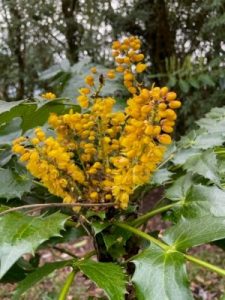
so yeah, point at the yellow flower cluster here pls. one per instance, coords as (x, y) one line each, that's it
(100, 155)
(130, 61)
(48, 96)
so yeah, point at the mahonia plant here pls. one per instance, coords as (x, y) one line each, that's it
(102, 155)
(98, 157)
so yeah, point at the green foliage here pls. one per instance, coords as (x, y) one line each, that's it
(160, 275)
(14, 185)
(110, 277)
(20, 234)
(67, 81)
(193, 176)
(34, 113)
(34, 277)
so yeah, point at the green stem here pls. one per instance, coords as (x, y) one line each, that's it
(205, 264)
(143, 235)
(165, 247)
(67, 285)
(142, 219)
(64, 251)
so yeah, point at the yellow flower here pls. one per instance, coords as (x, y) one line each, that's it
(89, 79)
(48, 96)
(103, 155)
(140, 68)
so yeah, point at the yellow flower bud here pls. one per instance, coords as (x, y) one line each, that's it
(94, 195)
(89, 79)
(94, 70)
(171, 96)
(164, 139)
(164, 90)
(167, 129)
(128, 76)
(140, 68)
(116, 45)
(175, 104)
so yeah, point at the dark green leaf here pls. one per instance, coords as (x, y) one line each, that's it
(183, 155)
(5, 155)
(13, 184)
(20, 234)
(207, 80)
(160, 275)
(179, 189)
(194, 82)
(10, 131)
(108, 276)
(204, 164)
(161, 176)
(99, 226)
(37, 276)
(184, 86)
(197, 231)
(36, 113)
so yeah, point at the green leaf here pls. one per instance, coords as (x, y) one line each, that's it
(161, 176)
(203, 218)
(188, 233)
(208, 140)
(172, 81)
(108, 276)
(188, 140)
(207, 80)
(5, 155)
(212, 125)
(13, 185)
(76, 81)
(36, 276)
(6, 106)
(20, 234)
(194, 82)
(183, 155)
(206, 200)
(70, 234)
(197, 200)
(99, 226)
(178, 190)
(36, 113)
(160, 275)
(201, 139)
(184, 86)
(10, 131)
(204, 164)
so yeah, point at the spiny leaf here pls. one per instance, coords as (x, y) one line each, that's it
(161, 176)
(36, 113)
(205, 200)
(188, 233)
(36, 276)
(20, 234)
(159, 275)
(10, 131)
(178, 190)
(108, 276)
(13, 185)
(204, 164)
(203, 218)
(182, 155)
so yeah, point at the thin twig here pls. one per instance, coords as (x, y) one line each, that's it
(45, 205)
(65, 251)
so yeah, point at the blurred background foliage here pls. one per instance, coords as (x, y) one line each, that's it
(47, 45)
